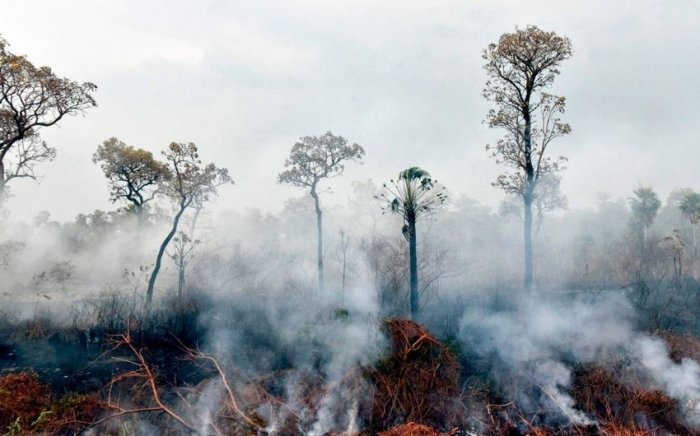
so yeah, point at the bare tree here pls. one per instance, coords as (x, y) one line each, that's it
(32, 98)
(343, 259)
(413, 195)
(182, 250)
(188, 180)
(23, 158)
(133, 174)
(520, 66)
(311, 160)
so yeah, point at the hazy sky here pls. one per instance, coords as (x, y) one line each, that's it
(244, 80)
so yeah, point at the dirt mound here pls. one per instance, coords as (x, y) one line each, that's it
(27, 407)
(417, 382)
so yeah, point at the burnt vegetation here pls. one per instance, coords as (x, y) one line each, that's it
(584, 324)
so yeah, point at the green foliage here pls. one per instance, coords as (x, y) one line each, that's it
(690, 207)
(341, 314)
(413, 194)
(645, 205)
(15, 428)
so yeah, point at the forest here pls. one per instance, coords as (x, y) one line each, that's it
(406, 307)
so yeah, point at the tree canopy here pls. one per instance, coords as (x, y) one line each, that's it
(313, 158)
(32, 98)
(133, 174)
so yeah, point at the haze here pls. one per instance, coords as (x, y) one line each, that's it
(244, 80)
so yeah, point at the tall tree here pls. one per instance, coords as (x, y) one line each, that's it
(690, 207)
(188, 181)
(133, 174)
(645, 205)
(32, 98)
(311, 160)
(520, 67)
(413, 195)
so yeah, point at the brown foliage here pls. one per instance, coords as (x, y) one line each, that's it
(682, 346)
(27, 407)
(413, 429)
(417, 382)
(21, 396)
(625, 407)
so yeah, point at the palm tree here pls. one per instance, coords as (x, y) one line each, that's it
(690, 207)
(645, 205)
(413, 195)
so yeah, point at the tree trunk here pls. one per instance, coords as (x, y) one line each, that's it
(161, 251)
(527, 201)
(319, 238)
(695, 241)
(413, 261)
(181, 279)
(343, 288)
(193, 224)
(529, 250)
(140, 215)
(3, 182)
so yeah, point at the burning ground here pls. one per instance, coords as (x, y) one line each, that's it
(541, 365)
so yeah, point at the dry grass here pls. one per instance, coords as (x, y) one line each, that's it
(414, 429)
(625, 407)
(417, 382)
(27, 407)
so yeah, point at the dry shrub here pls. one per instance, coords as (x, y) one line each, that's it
(626, 408)
(22, 397)
(681, 346)
(72, 414)
(413, 429)
(27, 407)
(417, 382)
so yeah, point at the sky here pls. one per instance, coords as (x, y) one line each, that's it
(245, 80)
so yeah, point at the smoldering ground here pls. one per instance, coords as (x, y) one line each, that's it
(291, 354)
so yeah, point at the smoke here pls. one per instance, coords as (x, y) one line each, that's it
(538, 340)
(322, 343)
(262, 314)
(679, 380)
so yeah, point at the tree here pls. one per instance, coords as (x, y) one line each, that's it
(690, 207)
(32, 98)
(520, 66)
(183, 246)
(311, 160)
(188, 181)
(413, 195)
(133, 173)
(546, 198)
(342, 258)
(645, 205)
